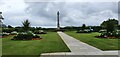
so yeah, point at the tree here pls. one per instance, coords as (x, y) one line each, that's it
(9, 26)
(96, 28)
(26, 25)
(110, 25)
(118, 26)
(38, 28)
(83, 26)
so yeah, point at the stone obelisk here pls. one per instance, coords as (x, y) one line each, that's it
(58, 24)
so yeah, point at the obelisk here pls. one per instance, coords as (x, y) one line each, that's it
(58, 24)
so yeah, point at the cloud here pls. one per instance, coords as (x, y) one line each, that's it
(71, 13)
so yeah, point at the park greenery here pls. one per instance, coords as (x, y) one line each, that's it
(84, 29)
(103, 44)
(51, 42)
(26, 25)
(89, 34)
(39, 32)
(108, 28)
(112, 29)
(110, 25)
(26, 35)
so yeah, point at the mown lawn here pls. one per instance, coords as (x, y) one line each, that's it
(103, 44)
(0, 46)
(51, 42)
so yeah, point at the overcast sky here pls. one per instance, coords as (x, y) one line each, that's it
(43, 14)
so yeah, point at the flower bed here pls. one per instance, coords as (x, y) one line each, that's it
(26, 36)
(110, 37)
(113, 35)
(36, 38)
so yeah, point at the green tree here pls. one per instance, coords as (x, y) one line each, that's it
(110, 25)
(118, 26)
(9, 26)
(83, 26)
(26, 25)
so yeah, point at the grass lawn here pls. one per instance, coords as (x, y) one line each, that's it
(0, 46)
(103, 44)
(51, 42)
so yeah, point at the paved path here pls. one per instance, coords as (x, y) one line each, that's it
(79, 48)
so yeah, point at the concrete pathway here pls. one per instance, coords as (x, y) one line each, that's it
(79, 48)
(76, 46)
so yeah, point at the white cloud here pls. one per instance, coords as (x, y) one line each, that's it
(71, 13)
(72, 0)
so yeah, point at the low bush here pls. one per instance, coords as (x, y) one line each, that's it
(39, 32)
(114, 34)
(9, 30)
(14, 33)
(36, 36)
(83, 31)
(25, 36)
(102, 31)
(4, 35)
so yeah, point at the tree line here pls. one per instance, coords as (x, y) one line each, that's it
(110, 25)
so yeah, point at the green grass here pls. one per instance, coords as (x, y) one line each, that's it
(0, 46)
(51, 42)
(103, 44)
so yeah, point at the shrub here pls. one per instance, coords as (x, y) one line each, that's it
(106, 34)
(39, 32)
(9, 30)
(25, 36)
(84, 31)
(14, 33)
(103, 30)
(5, 34)
(36, 32)
(36, 36)
(115, 34)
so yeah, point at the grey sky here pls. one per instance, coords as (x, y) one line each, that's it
(44, 13)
